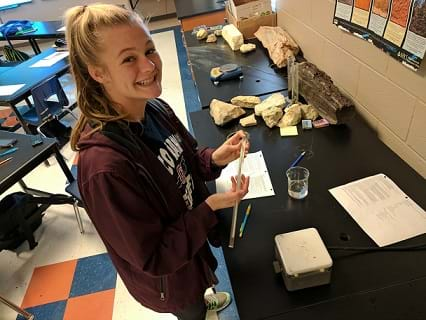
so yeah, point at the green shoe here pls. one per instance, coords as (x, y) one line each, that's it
(217, 301)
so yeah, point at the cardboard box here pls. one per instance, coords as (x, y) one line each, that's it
(249, 26)
(244, 9)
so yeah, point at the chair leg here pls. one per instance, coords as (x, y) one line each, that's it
(19, 310)
(77, 216)
(72, 113)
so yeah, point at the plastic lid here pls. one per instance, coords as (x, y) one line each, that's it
(302, 251)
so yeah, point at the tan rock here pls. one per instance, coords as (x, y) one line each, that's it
(223, 112)
(211, 38)
(279, 43)
(272, 116)
(275, 100)
(309, 112)
(291, 118)
(248, 121)
(247, 47)
(218, 32)
(202, 34)
(246, 101)
(293, 106)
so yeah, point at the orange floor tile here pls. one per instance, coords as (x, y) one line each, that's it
(97, 305)
(50, 283)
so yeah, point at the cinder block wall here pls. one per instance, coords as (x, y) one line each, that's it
(388, 95)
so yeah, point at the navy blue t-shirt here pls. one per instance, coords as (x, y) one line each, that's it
(167, 146)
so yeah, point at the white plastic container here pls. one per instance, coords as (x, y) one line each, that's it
(302, 259)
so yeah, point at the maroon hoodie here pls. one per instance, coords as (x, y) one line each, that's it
(157, 245)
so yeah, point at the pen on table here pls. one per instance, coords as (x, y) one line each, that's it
(9, 151)
(295, 162)
(243, 224)
(5, 160)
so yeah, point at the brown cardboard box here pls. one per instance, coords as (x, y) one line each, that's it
(244, 9)
(249, 26)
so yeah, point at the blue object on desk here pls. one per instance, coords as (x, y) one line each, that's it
(295, 162)
(226, 72)
(243, 225)
(9, 151)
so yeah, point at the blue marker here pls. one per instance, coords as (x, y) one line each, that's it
(295, 162)
(9, 151)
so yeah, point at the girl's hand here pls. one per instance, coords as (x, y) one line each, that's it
(227, 199)
(230, 149)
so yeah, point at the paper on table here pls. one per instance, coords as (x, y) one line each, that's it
(289, 131)
(10, 89)
(50, 60)
(381, 209)
(254, 166)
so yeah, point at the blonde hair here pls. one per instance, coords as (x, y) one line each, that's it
(83, 39)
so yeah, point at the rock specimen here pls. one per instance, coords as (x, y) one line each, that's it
(291, 118)
(272, 116)
(248, 121)
(245, 101)
(275, 100)
(247, 47)
(218, 32)
(232, 36)
(279, 44)
(222, 112)
(202, 34)
(308, 112)
(319, 91)
(211, 38)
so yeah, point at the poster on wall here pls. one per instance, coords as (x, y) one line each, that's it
(396, 26)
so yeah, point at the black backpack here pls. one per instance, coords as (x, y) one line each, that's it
(20, 215)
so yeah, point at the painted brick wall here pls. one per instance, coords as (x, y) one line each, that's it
(389, 96)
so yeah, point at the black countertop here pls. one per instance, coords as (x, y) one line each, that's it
(259, 77)
(190, 8)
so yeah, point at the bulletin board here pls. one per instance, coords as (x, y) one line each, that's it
(396, 26)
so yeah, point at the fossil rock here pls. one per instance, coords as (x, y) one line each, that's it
(319, 91)
(246, 101)
(248, 121)
(202, 34)
(291, 118)
(223, 112)
(279, 44)
(275, 100)
(247, 47)
(272, 116)
(211, 38)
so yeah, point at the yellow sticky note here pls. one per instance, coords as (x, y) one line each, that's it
(288, 131)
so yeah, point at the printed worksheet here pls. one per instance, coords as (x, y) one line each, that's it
(381, 209)
(254, 166)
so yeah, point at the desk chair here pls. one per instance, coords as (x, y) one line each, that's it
(19, 310)
(44, 108)
(72, 189)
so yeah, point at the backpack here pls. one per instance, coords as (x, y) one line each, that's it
(20, 215)
(54, 128)
(12, 28)
(13, 55)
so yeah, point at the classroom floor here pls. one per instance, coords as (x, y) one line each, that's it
(69, 275)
